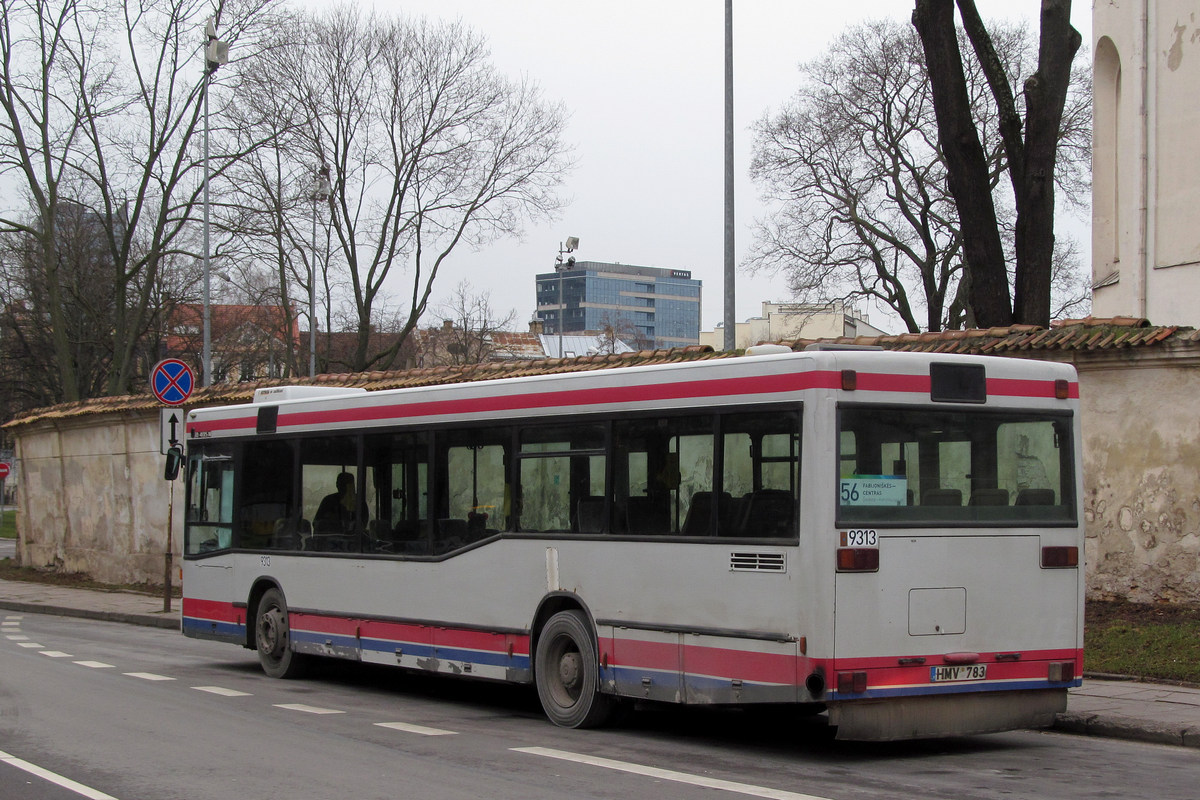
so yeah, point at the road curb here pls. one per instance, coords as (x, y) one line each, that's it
(146, 620)
(1136, 730)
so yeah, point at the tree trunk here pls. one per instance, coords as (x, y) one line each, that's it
(1045, 96)
(966, 163)
(64, 357)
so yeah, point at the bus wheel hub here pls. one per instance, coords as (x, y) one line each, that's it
(568, 670)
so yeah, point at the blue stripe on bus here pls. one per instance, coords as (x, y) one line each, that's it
(213, 627)
(486, 657)
(415, 649)
(633, 675)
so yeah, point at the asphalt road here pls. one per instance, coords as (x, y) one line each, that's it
(8, 548)
(143, 714)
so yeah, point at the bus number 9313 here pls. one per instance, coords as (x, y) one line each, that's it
(860, 538)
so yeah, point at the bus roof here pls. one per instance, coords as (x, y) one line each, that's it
(753, 379)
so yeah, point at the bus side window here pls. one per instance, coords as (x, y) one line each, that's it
(266, 518)
(331, 494)
(760, 474)
(561, 478)
(398, 493)
(661, 465)
(472, 491)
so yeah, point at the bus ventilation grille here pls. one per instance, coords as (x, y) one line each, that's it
(757, 562)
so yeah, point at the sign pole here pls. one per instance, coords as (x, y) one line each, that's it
(168, 554)
(5, 468)
(172, 382)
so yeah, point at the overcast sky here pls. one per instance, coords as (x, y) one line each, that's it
(644, 81)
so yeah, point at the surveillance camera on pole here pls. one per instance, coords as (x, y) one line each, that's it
(217, 52)
(571, 246)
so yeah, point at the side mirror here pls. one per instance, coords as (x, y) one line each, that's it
(174, 459)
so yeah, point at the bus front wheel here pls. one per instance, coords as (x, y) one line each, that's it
(272, 637)
(567, 673)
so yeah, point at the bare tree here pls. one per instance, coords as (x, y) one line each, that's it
(100, 108)
(429, 148)
(1030, 148)
(467, 333)
(854, 166)
(617, 329)
(272, 209)
(84, 295)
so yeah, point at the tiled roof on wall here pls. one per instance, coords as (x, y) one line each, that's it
(1076, 335)
(228, 394)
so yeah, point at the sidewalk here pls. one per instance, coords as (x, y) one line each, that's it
(127, 607)
(1101, 707)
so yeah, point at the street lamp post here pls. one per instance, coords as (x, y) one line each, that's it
(216, 53)
(571, 246)
(319, 194)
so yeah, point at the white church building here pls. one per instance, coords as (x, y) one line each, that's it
(1146, 161)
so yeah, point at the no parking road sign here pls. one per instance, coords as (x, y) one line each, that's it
(172, 381)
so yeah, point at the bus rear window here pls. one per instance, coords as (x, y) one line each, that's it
(917, 466)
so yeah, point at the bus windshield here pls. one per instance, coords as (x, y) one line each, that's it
(916, 466)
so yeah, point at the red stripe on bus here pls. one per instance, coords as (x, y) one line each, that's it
(884, 672)
(315, 623)
(887, 382)
(408, 632)
(699, 660)
(744, 664)
(680, 390)
(214, 610)
(1017, 387)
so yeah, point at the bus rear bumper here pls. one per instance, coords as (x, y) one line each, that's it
(928, 716)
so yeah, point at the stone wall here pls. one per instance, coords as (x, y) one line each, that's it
(1141, 452)
(93, 499)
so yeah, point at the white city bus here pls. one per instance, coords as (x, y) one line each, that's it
(895, 537)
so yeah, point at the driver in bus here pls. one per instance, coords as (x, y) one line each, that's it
(336, 511)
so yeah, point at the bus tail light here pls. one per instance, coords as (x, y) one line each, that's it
(1060, 557)
(851, 682)
(1060, 671)
(857, 559)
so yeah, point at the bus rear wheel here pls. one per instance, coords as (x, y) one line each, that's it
(567, 673)
(272, 638)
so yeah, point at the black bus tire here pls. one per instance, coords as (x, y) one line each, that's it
(567, 673)
(273, 640)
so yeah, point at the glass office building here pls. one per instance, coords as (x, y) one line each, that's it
(648, 307)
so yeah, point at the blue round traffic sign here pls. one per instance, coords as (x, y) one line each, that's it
(172, 381)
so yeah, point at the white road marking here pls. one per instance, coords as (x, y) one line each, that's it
(56, 654)
(56, 779)
(30, 644)
(11, 622)
(147, 676)
(307, 709)
(17, 637)
(419, 729)
(95, 665)
(668, 775)
(221, 691)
